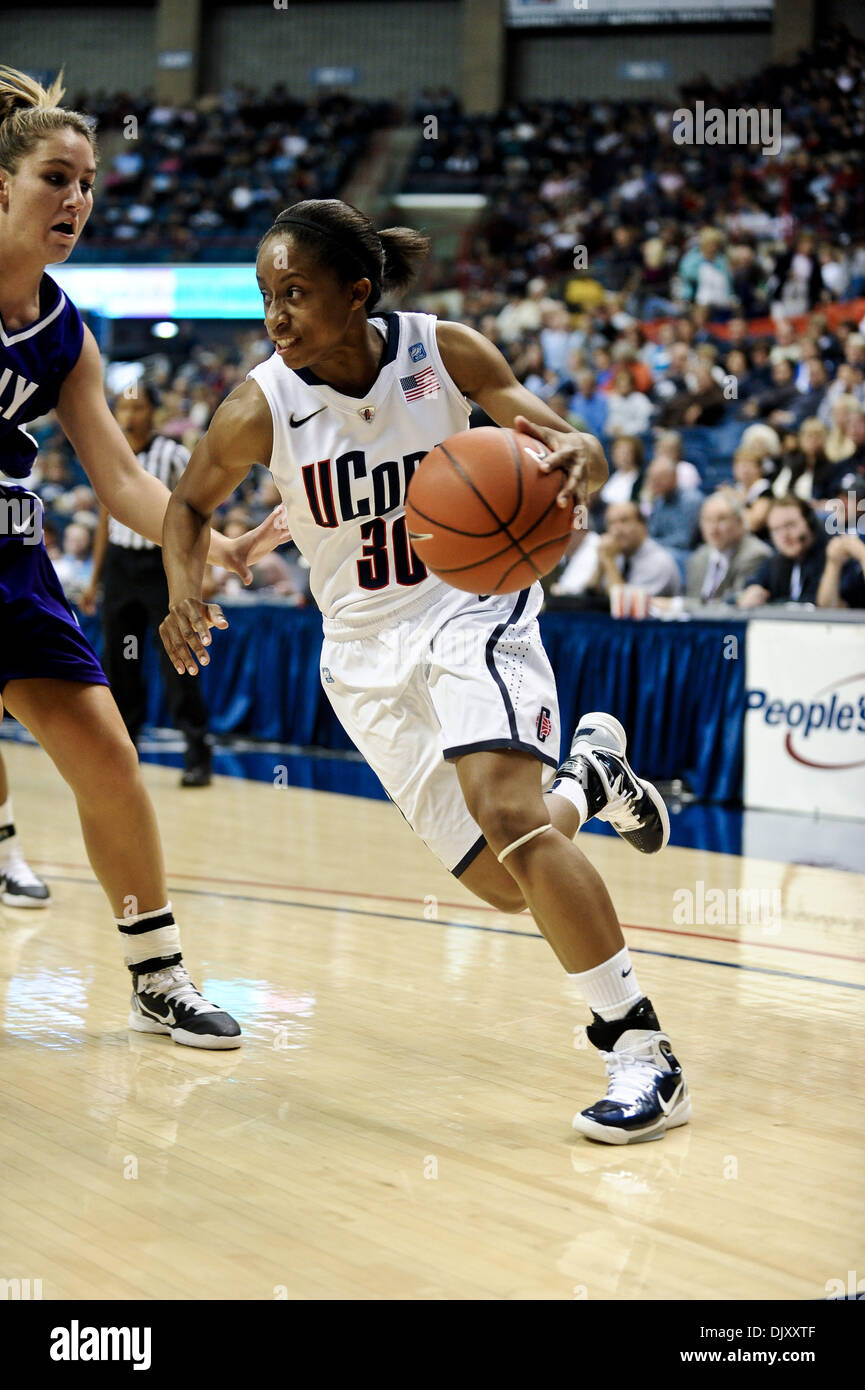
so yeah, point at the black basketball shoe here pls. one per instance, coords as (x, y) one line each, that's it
(647, 1092)
(634, 808)
(166, 1001)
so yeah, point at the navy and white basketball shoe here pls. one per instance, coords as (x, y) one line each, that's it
(19, 886)
(647, 1092)
(166, 1001)
(634, 808)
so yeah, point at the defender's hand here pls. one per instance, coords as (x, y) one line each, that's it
(185, 632)
(254, 545)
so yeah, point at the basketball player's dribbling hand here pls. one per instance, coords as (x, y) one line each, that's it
(254, 545)
(575, 454)
(185, 632)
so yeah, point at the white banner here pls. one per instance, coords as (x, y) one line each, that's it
(656, 12)
(805, 717)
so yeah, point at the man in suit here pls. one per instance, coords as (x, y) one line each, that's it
(720, 568)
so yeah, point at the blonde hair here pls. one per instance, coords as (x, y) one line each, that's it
(29, 112)
(761, 440)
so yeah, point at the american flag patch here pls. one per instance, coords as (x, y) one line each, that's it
(424, 383)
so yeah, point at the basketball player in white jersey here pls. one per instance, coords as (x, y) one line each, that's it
(449, 695)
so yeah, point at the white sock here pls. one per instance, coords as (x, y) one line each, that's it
(610, 989)
(9, 841)
(570, 789)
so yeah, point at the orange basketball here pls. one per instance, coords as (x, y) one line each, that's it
(482, 516)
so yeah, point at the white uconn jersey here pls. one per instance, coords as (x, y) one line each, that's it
(343, 463)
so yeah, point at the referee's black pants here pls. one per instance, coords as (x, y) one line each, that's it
(135, 597)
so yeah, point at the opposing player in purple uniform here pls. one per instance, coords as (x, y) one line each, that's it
(50, 679)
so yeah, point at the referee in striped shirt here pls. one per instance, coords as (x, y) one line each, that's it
(135, 596)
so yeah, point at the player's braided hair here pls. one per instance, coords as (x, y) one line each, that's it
(344, 239)
(29, 112)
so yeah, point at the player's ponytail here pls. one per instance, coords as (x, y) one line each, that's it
(344, 239)
(404, 250)
(29, 112)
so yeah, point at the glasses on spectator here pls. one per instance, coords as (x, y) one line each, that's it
(785, 526)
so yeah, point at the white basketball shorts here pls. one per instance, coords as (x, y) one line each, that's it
(461, 674)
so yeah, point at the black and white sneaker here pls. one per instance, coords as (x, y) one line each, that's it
(166, 1001)
(634, 808)
(20, 887)
(647, 1092)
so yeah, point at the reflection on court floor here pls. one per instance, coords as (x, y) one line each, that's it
(398, 1121)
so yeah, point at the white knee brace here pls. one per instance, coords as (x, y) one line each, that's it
(523, 840)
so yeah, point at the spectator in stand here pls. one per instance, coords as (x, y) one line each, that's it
(839, 445)
(528, 366)
(796, 284)
(746, 278)
(674, 516)
(51, 539)
(659, 354)
(834, 271)
(556, 338)
(776, 404)
(705, 274)
(761, 366)
(793, 573)
(668, 445)
(622, 270)
(719, 569)
(628, 555)
(738, 370)
(704, 404)
(589, 405)
(764, 443)
(523, 314)
(577, 573)
(853, 465)
(628, 460)
(812, 382)
(654, 288)
(628, 410)
(75, 564)
(676, 378)
(787, 345)
(842, 583)
(754, 490)
(807, 473)
(848, 381)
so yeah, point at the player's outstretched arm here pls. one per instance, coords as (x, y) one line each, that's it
(127, 491)
(240, 434)
(482, 373)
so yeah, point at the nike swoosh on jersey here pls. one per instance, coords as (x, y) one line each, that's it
(294, 423)
(425, 536)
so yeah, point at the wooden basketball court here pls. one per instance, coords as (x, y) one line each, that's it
(398, 1123)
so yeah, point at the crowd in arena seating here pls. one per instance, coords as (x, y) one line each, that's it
(203, 183)
(712, 341)
(608, 177)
